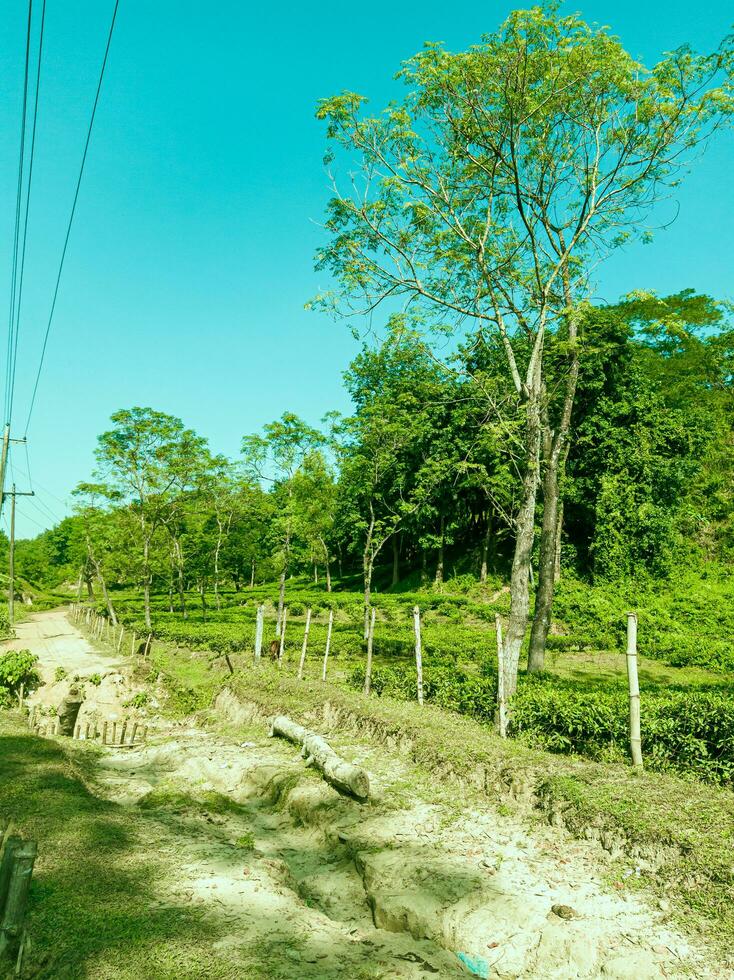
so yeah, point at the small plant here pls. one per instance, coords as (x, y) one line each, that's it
(246, 842)
(60, 674)
(95, 679)
(139, 700)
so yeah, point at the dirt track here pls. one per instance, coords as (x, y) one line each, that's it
(313, 885)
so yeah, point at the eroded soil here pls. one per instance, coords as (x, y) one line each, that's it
(412, 884)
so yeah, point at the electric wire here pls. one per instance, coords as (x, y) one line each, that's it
(18, 205)
(71, 217)
(19, 299)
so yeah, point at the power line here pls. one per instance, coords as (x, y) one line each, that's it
(27, 209)
(18, 205)
(71, 216)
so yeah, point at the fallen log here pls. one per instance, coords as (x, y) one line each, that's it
(337, 771)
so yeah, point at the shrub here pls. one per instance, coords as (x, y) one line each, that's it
(18, 667)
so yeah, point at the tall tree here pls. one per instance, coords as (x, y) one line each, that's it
(487, 195)
(145, 460)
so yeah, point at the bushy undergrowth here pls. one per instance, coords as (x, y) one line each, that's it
(17, 667)
(690, 731)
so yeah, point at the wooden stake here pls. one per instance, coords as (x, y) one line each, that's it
(328, 643)
(20, 694)
(104, 733)
(259, 632)
(114, 732)
(17, 894)
(368, 668)
(122, 733)
(86, 732)
(132, 645)
(134, 733)
(418, 653)
(501, 699)
(305, 644)
(229, 663)
(634, 689)
(282, 636)
(119, 639)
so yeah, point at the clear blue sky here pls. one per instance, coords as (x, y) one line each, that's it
(191, 256)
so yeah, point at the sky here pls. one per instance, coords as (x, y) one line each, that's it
(191, 255)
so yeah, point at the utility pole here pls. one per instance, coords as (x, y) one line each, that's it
(11, 562)
(4, 462)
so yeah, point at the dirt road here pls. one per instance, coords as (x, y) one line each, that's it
(57, 643)
(312, 885)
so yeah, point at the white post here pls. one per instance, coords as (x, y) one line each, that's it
(368, 668)
(418, 653)
(328, 644)
(259, 632)
(634, 689)
(305, 644)
(501, 701)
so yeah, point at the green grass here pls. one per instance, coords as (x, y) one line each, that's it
(98, 904)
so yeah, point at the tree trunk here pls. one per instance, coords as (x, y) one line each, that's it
(180, 576)
(103, 587)
(328, 575)
(395, 560)
(424, 567)
(146, 582)
(90, 588)
(559, 532)
(252, 574)
(202, 592)
(281, 603)
(485, 549)
(439, 563)
(315, 574)
(217, 551)
(341, 774)
(524, 536)
(549, 540)
(368, 568)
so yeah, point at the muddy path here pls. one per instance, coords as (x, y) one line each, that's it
(415, 883)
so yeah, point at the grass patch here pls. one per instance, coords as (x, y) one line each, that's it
(98, 904)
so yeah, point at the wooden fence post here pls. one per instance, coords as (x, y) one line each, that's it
(634, 690)
(418, 653)
(132, 645)
(259, 631)
(368, 668)
(501, 700)
(120, 638)
(328, 643)
(305, 645)
(17, 894)
(282, 635)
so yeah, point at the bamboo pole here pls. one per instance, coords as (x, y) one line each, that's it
(368, 668)
(418, 653)
(120, 638)
(259, 632)
(501, 699)
(305, 645)
(634, 691)
(328, 644)
(282, 636)
(132, 645)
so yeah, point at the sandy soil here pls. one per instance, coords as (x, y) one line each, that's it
(415, 883)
